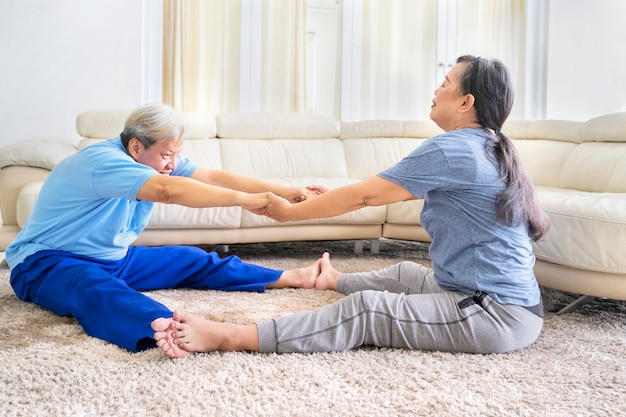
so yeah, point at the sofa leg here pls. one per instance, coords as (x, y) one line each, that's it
(576, 304)
(358, 247)
(374, 246)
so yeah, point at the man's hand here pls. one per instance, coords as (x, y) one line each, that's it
(256, 203)
(308, 192)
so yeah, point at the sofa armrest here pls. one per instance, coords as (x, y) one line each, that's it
(35, 153)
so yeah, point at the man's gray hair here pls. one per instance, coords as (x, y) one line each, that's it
(151, 123)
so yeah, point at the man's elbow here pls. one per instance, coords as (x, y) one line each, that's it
(164, 195)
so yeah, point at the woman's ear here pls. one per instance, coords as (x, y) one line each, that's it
(468, 103)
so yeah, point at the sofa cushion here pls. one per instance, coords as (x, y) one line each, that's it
(596, 167)
(588, 230)
(544, 146)
(405, 212)
(101, 124)
(556, 130)
(36, 153)
(26, 201)
(104, 124)
(367, 215)
(544, 159)
(284, 158)
(366, 157)
(276, 126)
(173, 216)
(374, 145)
(607, 128)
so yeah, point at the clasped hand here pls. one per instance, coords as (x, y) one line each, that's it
(278, 207)
(308, 192)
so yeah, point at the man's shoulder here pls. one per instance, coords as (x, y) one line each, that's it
(113, 145)
(109, 149)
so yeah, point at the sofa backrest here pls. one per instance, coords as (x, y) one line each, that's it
(281, 145)
(598, 164)
(544, 146)
(200, 144)
(374, 145)
(584, 156)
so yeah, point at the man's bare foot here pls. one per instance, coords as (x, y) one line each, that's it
(164, 340)
(328, 277)
(298, 278)
(192, 333)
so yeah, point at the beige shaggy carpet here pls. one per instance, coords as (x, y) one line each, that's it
(49, 367)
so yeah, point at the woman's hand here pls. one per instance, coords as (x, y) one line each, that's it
(308, 192)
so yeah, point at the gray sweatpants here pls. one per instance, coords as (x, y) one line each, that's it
(403, 307)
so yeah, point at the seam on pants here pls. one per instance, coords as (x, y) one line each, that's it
(388, 316)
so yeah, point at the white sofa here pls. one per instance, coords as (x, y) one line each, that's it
(579, 168)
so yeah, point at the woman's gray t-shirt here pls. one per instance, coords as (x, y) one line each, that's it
(470, 250)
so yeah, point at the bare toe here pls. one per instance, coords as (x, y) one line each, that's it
(327, 279)
(164, 340)
(160, 324)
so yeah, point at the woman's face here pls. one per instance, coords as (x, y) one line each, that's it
(448, 99)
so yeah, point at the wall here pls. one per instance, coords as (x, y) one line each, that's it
(586, 74)
(62, 57)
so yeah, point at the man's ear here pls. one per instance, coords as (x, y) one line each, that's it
(468, 103)
(134, 147)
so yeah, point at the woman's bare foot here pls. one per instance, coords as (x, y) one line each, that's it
(298, 278)
(192, 333)
(164, 340)
(328, 277)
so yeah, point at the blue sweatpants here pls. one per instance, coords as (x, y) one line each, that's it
(105, 296)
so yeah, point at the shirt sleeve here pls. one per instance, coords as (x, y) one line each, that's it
(119, 177)
(426, 168)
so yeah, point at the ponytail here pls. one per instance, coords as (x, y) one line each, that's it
(518, 201)
(489, 81)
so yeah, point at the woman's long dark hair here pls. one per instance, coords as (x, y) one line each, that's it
(489, 81)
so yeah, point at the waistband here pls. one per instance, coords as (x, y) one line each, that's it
(479, 296)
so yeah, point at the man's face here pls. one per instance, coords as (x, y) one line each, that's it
(162, 156)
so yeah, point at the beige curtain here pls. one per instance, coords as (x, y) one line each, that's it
(201, 55)
(283, 57)
(201, 69)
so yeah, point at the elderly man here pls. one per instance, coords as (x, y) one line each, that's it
(74, 255)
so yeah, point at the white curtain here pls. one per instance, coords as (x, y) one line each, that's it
(201, 70)
(496, 28)
(283, 57)
(398, 53)
(398, 58)
(399, 50)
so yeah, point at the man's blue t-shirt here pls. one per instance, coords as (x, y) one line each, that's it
(88, 205)
(470, 250)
